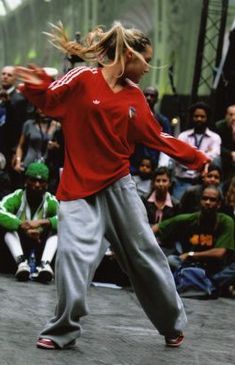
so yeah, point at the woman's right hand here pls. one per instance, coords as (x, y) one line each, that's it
(17, 164)
(31, 74)
(18, 168)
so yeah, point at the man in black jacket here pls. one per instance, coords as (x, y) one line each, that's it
(15, 110)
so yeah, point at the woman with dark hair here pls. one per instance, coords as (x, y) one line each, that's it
(33, 142)
(103, 115)
(160, 204)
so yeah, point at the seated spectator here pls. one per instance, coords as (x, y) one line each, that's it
(206, 237)
(29, 219)
(5, 181)
(226, 129)
(160, 204)
(191, 199)
(143, 177)
(203, 139)
(141, 150)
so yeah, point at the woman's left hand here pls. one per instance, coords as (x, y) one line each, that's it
(32, 75)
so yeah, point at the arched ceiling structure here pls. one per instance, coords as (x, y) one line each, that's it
(172, 26)
(7, 6)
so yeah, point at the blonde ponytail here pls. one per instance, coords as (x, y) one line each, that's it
(106, 48)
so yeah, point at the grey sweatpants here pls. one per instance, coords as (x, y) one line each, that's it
(117, 215)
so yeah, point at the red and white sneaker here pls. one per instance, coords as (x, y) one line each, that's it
(174, 341)
(46, 343)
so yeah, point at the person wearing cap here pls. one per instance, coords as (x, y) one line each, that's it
(29, 218)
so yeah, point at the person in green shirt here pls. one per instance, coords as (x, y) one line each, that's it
(29, 219)
(206, 237)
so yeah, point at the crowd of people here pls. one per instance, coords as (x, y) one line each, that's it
(190, 210)
(167, 188)
(31, 157)
(192, 215)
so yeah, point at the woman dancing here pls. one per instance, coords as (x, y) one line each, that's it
(104, 114)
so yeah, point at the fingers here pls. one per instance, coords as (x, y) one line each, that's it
(23, 73)
(29, 75)
(205, 169)
(22, 70)
(32, 66)
(37, 70)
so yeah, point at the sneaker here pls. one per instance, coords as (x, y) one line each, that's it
(47, 344)
(23, 271)
(44, 273)
(228, 291)
(174, 341)
(231, 290)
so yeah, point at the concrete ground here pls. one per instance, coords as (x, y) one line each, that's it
(116, 332)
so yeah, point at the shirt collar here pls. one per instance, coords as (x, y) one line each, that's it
(10, 90)
(168, 201)
(206, 133)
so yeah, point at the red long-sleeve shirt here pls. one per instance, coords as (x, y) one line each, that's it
(101, 129)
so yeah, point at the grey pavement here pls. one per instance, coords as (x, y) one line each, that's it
(116, 332)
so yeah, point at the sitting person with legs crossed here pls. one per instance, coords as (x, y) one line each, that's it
(29, 218)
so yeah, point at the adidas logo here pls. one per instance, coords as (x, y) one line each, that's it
(96, 101)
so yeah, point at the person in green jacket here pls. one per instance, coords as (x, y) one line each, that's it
(29, 219)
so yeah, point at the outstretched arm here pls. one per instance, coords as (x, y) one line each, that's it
(147, 131)
(36, 89)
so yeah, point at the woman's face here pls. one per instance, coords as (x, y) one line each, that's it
(212, 178)
(145, 167)
(135, 68)
(162, 184)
